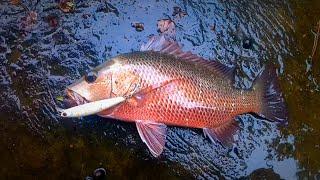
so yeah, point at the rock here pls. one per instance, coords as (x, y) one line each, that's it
(247, 43)
(99, 174)
(263, 173)
(88, 178)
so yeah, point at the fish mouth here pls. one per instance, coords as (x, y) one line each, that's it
(73, 99)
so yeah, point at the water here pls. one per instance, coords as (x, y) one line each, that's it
(40, 58)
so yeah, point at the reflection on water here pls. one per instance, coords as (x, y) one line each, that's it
(39, 58)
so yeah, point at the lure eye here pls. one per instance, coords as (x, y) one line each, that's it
(64, 114)
(90, 77)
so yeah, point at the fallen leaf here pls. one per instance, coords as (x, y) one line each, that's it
(178, 12)
(52, 21)
(59, 98)
(108, 8)
(166, 26)
(15, 2)
(67, 6)
(29, 20)
(138, 26)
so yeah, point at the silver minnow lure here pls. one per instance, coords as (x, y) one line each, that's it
(91, 107)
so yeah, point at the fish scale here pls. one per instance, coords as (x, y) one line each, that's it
(179, 102)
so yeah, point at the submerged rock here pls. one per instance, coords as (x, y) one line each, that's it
(99, 174)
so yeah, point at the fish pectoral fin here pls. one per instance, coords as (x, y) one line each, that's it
(153, 134)
(223, 134)
(138, 99)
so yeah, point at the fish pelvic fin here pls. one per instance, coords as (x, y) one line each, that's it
(273, 106)
(223, 133)
(153, 135)
(170, 47)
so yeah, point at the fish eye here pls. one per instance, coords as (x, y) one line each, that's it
(90, 77)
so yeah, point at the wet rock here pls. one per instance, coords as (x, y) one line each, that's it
(65, 54)
(138, 26)
(99, 174)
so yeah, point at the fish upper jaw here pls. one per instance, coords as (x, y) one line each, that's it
(74, 99)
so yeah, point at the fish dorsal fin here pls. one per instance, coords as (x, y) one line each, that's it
(163, 45)
(153, 134)
(223, 134)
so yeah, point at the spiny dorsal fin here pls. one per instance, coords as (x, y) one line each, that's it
(223, 134)
(153, 134)
(163, 45)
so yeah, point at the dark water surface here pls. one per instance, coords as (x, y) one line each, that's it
(39, 58)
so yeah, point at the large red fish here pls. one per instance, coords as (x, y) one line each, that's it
(166, 86)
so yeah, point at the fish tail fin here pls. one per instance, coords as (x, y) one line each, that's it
(273, 106)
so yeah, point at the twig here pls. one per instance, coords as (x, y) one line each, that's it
(315, 42)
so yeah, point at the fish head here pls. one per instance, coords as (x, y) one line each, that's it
(114, 78)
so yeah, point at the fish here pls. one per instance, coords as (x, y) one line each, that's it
(166, 86)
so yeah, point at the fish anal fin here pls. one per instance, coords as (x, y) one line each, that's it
(223, 134)
(168, 46)
(153, 135)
